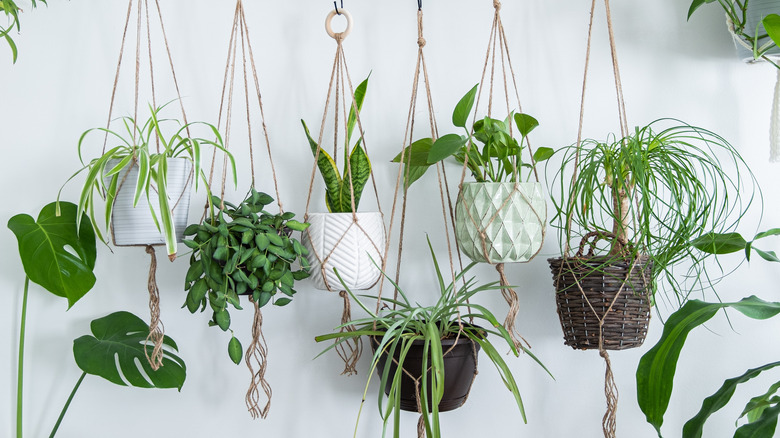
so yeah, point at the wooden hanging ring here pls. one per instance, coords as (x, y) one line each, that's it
(340, 35)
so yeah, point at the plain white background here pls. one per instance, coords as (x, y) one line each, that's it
(61, 86)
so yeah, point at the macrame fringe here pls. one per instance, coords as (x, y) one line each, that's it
(156, 329)
(421, 427)
(774, 125)
(257, 353)
(514, 307)
(609, 422)
(349, 351)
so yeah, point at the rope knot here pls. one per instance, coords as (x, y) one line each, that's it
(497, 5)
(343, 294)
(339, 37)
(421, 42)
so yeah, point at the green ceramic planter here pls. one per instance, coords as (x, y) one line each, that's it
(500, 222)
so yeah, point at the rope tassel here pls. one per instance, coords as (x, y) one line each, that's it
(156, 329)
(351, 350)
(609, 422)
(257, 353)
(514, 307)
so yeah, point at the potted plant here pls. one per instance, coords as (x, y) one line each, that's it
(442, 338)
(753, 24)
(636, 203)
(147, 164)
(344, 238)
(501, 217)
(243, 250)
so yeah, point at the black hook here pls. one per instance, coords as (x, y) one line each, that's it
(342, 6)
(419, 5)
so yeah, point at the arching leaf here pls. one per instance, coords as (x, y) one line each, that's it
(44, 249)
(117, 350)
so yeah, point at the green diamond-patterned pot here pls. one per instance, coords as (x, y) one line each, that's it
(500, 222)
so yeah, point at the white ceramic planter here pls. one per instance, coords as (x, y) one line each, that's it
(335, 240)
(496, 223)
(134, 226)
(756, 11)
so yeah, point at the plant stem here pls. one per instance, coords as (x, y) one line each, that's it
(20, 365)
(67, 404)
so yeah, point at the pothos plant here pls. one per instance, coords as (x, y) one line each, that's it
(243, 250)
(494, 154)
(12, 10)
(342, 188)
(149, 146)
(760, 41)
(652, 192)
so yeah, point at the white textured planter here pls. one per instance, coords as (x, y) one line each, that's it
(756, 11)
(134, 226)
(335, 240)
(496, 223)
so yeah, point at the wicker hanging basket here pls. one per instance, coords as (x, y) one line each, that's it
(613, 289)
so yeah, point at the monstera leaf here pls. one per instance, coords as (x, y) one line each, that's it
(57, 254)
(116, 353)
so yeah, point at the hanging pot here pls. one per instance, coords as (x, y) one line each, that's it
(354, 244)
(755, 13)
(134, 226)
(500, 222)
(611, 288)
(460, 367)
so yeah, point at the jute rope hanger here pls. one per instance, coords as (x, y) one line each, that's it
(340, 84)
(256, 356)
(156, 328)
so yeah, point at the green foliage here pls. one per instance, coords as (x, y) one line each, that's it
(498, 159)
(116, 350)
(760, 40)
(343, 192)
(726, 243)
(655, 373)
(10, 9)
(243, 250)
(658, 189)
(56, 253)
(401, 322)
(147, 147)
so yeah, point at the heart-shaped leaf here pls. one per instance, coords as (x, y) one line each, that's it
(116, 353)
(57, 254)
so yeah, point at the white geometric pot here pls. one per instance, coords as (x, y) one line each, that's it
(134, 226)
(500, 222)
(347, 243)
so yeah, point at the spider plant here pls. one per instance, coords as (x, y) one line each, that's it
(400, 323)
(148, 147)
(12, 10)
(653, 192)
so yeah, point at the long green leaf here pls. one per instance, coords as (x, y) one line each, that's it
(655, 373)
(56, 253)
(763, 427)
(116, 351)
(462, 110)
(166, 216)
(360, 166)
(328, 170)
(360, 94)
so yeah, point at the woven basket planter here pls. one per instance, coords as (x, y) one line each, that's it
(587, 284)
(460, 366)
(347, 243)
(134, 226)
(500, 222)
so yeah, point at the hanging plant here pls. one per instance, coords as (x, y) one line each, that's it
(243, 250)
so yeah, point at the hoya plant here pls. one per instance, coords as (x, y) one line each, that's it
(342, 187)
(243, 250)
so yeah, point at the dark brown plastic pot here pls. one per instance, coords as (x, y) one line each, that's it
(460, 366)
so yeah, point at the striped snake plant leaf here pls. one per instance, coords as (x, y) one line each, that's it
(328, 170)
(360, 95)
(360, 167)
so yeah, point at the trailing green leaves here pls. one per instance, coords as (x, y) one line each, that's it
(655, 373)
(10, 9)
(56, 253)
(117, 349)
(242, 250)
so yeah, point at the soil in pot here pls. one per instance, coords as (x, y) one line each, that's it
(460, 366)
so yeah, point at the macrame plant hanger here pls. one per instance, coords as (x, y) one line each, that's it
(609, 421)
(498, 42)
(256, 356)
(402, 182)
(342, 93)
(156, 328)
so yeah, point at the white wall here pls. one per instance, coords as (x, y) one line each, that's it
(61, 86)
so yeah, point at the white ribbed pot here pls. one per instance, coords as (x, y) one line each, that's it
(336, 240)
(500, 222)
(755, 13)
(134, 226)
